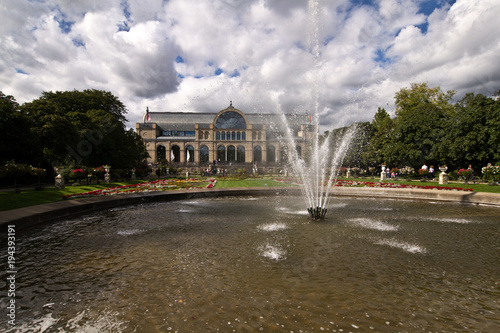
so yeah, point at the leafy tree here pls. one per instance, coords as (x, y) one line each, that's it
(16, 141)
(378, 150)
(473, 134)
(356, 155)
(84, 128)
(422, 114)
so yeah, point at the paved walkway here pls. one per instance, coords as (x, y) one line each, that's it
(33, 215)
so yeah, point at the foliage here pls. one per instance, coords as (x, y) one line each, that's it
(428, 128)
(379, 146)
(423, 172)
(16, 141)
(84, 128)
(491, 172)
(420, 124)
(465, 173)
(473, 135)
(14, 171)
(98, 173)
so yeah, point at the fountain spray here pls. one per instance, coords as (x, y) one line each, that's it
(318, 177)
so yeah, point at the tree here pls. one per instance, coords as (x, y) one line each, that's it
(16, 141)
(473, 134)
(378, 150)
(84, 128)
(422, 114)
(356, 155)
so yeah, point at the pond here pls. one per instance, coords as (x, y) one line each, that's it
(250, 264)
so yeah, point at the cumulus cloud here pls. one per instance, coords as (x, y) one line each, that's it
(196, 56)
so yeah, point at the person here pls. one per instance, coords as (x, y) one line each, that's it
(472, 175)
(431, 171)
(424, 167)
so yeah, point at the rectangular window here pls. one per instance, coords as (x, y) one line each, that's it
(178, 133)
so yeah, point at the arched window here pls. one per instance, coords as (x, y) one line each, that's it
(260, 135)
(228, 135)
(175, 153)
(271, 154)
(238, 136)
(217, 136)
(221, 154)
(244, 136)
(240, 154)
(223, 136)
(206, 135)
(230, 120)
(200, 135)
(161, 153)
(231, 154)
(233, 136)
(204, 154)
(257, 154)
(189, 153)
(299, 151)
(254, 135)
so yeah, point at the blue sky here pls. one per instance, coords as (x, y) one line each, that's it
(264, 55)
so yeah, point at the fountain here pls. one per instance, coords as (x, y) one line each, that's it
(318, 176)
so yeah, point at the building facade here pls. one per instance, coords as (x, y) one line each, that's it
(227, 138)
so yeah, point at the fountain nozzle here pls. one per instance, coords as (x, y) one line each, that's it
(317, 213)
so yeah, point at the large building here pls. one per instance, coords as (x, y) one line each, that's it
(228, 138)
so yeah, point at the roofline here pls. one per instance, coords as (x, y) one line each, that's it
(215, 113)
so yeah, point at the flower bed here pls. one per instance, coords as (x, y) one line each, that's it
(340, 182)
(392, 185)
(157, 185)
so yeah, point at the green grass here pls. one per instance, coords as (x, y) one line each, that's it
(249, 182)
(29, 197)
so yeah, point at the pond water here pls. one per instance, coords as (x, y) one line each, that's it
(259, 264)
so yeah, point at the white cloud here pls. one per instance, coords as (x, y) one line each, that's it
(259, 49)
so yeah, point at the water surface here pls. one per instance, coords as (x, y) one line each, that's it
(259, 264)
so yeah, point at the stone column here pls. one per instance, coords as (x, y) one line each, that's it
(443, 177)
(383, 175)
(107, 176)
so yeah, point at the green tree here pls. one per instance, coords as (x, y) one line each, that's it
(422, 114)
(85, 128)
(473, 134)
(379, 146)
(356, 155)
(16, 141)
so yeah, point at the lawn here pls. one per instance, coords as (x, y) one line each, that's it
(29, 197)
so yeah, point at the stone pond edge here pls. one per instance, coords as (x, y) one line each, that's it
(30, 216)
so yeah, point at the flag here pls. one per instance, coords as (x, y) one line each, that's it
(172, 156)
(310, 119)
(188, 156)
(147, 113)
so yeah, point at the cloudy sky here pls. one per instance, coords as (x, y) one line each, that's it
(351, 56)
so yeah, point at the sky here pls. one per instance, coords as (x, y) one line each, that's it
(337, 59)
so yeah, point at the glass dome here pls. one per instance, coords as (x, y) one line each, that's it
(230, 120)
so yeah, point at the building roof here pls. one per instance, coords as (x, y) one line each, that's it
(186, 121)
